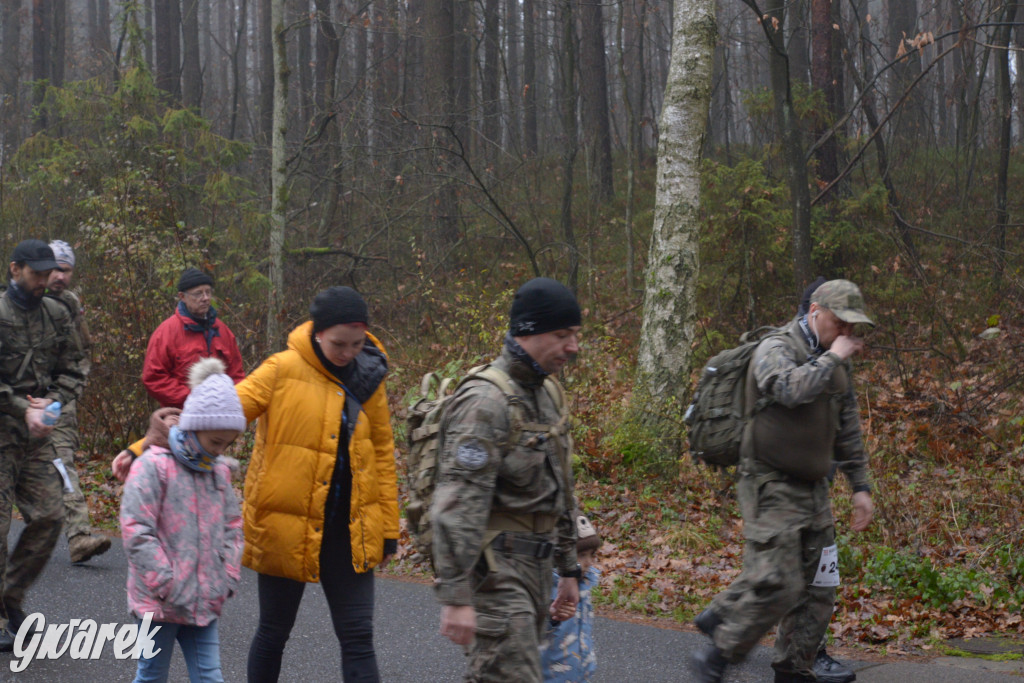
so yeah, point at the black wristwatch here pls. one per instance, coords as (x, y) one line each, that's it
(576, 573)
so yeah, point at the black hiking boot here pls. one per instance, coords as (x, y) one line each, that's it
(829, 670)
(708, 664)
(707, 621)
(6, 640)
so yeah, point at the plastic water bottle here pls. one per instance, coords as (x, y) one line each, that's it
(51, 413)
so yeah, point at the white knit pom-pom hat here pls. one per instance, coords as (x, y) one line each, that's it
(213, 403)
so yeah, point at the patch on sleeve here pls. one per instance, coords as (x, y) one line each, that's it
(471, 455)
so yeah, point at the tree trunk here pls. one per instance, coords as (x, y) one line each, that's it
(824, 77)
(148, 19)
(797, 47)
(239, 67)
(571, 134)
(385, 80)
(328, 48)
(103, 27)
(881, 151)
(265, 50)
(359, 71)
(626, 68)
(594, 88)
(462, 76)
(903, 25)
(640, 74)
(41, 53)
(513, 131)
(670, 307)
(529, 77)
(412, 88)
(191, 72)
(278, 174)
(790, 136)
(58, 57)
(1018, 64)
(10, 76)
(301, 26)
(167, 29)
(438, 57)
(490, 84)
(1004, 103)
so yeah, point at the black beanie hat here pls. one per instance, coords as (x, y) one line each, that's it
(337, 306)
(805, 299)
(193, 277)
(543, 305)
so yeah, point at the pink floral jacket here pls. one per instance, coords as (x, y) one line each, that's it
(182, 532)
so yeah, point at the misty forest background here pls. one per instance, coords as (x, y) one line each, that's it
(686, 167)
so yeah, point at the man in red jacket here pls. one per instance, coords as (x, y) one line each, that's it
(191, 333)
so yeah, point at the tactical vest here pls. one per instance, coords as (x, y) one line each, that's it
(798, 441)
(30, 344)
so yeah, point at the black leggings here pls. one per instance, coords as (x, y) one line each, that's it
(350, 599)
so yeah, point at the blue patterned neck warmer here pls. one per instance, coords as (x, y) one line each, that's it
(186, 448)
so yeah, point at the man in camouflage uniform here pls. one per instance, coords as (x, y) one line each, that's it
(40, 362)
(82, 543)
(826, 669)
(503, 507)
(809, 416)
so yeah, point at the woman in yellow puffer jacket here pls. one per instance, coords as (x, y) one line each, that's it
(321, 498)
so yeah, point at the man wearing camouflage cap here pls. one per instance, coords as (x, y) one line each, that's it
(503, 511)
(83, 544)
(40, 362)
(811, 418)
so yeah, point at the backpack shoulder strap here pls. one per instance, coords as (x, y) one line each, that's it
(500, 379)
(69, 301)
(759, 403)
(557, 394)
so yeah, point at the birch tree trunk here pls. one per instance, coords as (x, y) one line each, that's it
(278, 172)
(671, 285)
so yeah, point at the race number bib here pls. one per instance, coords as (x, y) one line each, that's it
(828, 568)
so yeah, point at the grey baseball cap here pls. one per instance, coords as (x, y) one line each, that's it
(844, 299)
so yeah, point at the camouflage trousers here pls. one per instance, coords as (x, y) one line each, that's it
(65, 440)
(511, 603)
(29, 479)
(787, 524)
(76, 510)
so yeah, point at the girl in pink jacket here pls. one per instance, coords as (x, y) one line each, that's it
(182, 529)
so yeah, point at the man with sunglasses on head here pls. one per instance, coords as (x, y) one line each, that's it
(191, 333)
(83, 544)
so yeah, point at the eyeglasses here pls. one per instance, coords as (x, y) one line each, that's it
(200, 294)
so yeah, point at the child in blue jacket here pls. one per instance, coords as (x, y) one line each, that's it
(567, 652)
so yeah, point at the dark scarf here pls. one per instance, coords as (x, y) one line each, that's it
(206, 327)
(359, 379)
(22, 298)
(520, 354)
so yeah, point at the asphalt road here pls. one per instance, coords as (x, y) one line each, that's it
(409, 649)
